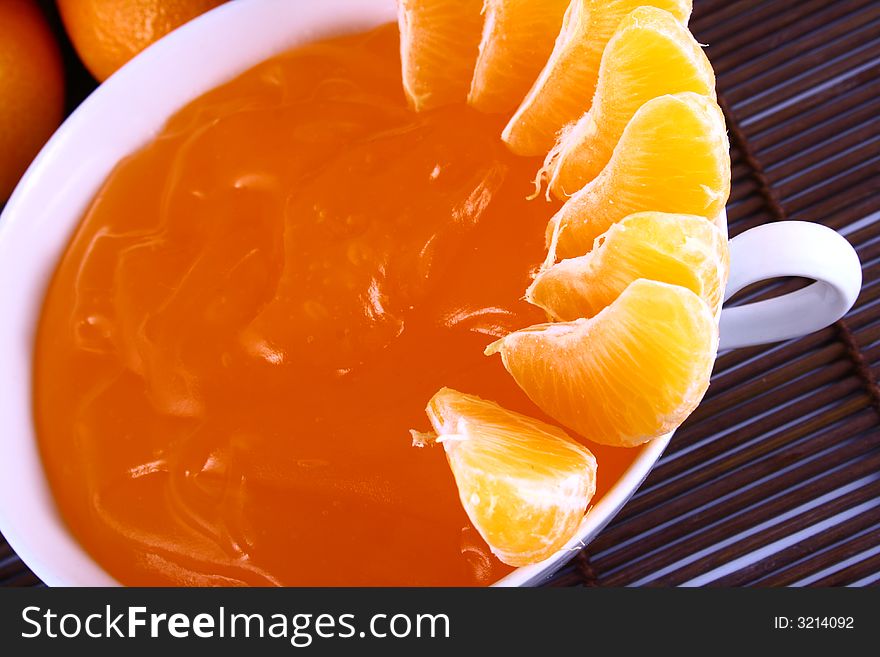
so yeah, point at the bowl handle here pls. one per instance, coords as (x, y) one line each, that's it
(789, 248)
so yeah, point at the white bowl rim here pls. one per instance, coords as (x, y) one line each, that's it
(126, 111)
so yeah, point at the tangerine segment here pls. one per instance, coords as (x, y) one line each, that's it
(650, 55)
(680, 249)
(524, 484)
(518, 37)
(630, 374)
(673, 156)
(565, 86)
(439, 42)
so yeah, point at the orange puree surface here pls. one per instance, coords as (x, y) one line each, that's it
(253, 314)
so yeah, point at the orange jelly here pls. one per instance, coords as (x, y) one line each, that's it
(253, 314)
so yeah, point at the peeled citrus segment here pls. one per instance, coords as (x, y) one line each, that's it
(673, 156)
(630, 374)
(439, 42)
(679, 249)
(518, 37)
(650, 55)
(565, 86)
(524, 484)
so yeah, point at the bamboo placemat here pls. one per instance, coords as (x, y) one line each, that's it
(775, 479)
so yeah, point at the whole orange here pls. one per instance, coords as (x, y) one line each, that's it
(31, 88)
(107, 33)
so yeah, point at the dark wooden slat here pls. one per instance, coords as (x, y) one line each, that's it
(791, 113)
(752, 499)
(11, 566)
(852, 573)
(716, 448)
(769, 573)
(782, 77)
(793, 366)
(738, 209)
(862, 163)
(819, 134)
(851, 145)
(865, 174)
(867, 243)
(742, 191)
(753, 426)
(24, 578)
(727, 37)
(715, 482)
(797, 39)
(749, 463)
(746, 101)
(717, 20)
(837, 211)
(748, 221)
(786, 528)
(852, 107)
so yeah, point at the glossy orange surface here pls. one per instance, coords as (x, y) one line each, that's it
(254, 312)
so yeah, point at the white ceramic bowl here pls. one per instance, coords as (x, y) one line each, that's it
(131, 107)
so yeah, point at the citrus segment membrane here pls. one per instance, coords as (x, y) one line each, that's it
(524, 484)
(679, 249)
(673, 157)
(651, 54)
(439, 42)
(630, 374)
(518, 36)
(565, 86)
